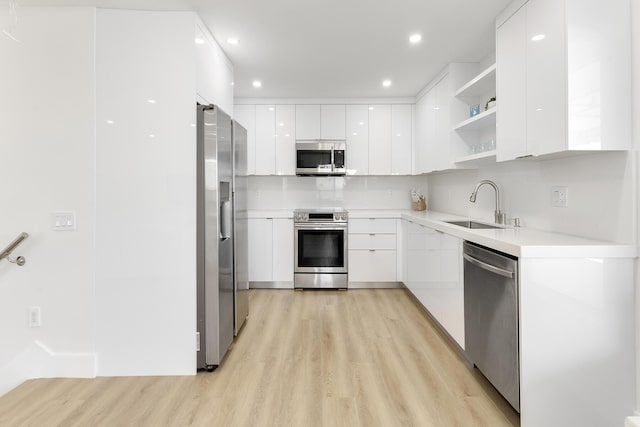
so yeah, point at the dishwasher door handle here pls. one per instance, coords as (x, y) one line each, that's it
(488, 267)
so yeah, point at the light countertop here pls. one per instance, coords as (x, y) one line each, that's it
(521, 242)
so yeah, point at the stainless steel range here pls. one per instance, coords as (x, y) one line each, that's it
(320, 248)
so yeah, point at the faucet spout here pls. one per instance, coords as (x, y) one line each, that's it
(500, 217)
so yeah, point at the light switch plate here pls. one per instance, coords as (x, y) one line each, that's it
(64, 221)
(35, 319)
(560, 197)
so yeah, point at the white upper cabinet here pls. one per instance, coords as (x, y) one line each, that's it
(320, 122)
(438, 143)
(332, 122)
(380, 140)
(511, 87)
(246, 116)
(214, 72)
(546, 76)
(421, 128)
(307, 122)
(285, 140)
(265, 140)
(573, 60)
(401, 139)
(357, 139)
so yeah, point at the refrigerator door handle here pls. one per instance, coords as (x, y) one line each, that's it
(225, 220)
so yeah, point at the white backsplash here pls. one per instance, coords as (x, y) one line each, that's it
(601, 201)
(349, 192)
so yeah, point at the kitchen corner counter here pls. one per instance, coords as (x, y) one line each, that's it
(374, 213)
(524, 242)
(272, 213)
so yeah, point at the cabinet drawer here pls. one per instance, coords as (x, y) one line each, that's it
(372, 225)
(372, 265)
(372, 241)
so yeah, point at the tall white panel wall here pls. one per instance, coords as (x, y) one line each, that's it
(46, 165)
(146, 209)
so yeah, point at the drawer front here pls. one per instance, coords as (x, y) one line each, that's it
(372, 266)
(372, 241)
(372, 225)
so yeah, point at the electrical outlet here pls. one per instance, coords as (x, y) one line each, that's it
(560, 197)
(35, 320)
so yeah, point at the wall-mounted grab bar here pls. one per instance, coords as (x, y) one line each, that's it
(7, 251)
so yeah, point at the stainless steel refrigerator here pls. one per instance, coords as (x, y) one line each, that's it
(240, 226)
(215, 288)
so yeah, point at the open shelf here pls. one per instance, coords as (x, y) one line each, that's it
(477, 156)
(482, 84)
(482, 120)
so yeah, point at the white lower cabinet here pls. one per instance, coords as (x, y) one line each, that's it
(373, 250)
(283, 250)
(434, 274)
(271, 251)
(372, 265)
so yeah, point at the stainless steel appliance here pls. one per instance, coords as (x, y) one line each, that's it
(320, 248)
(491, 317)
(320, 157)
(240, 227)
(215, 322)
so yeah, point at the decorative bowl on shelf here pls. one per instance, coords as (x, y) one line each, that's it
(490, 104)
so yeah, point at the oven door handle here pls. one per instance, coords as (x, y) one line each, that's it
(320, 227)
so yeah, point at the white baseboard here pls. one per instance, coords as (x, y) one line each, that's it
(632, 421)
(39, 361)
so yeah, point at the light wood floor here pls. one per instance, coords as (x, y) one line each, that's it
(313, 358)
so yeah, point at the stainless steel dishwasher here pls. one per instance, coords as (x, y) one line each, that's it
(491, 317)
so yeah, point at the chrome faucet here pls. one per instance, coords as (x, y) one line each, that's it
(500, 217)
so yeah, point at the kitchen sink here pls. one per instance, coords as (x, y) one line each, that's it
(471, 224)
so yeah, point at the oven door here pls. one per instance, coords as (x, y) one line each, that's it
(320, 248)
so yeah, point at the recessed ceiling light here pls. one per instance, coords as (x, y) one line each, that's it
(537, 37)
(109, 122)
(232, 41)
(198, 40)
(415, 38)
(151, 101)
(361, 123)
(271, 108)
(371, 108)
(257, 83)
(280, 124)
(233, 83)
(386, 83)
(151, 135)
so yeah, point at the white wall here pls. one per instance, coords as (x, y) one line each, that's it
(146, 210)
(353, 192)
(47, 150)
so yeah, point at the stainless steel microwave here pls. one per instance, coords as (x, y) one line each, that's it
(320, 157)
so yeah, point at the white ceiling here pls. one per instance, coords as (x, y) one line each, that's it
(335, 48)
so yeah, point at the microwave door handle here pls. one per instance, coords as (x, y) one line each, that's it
(333, 160)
